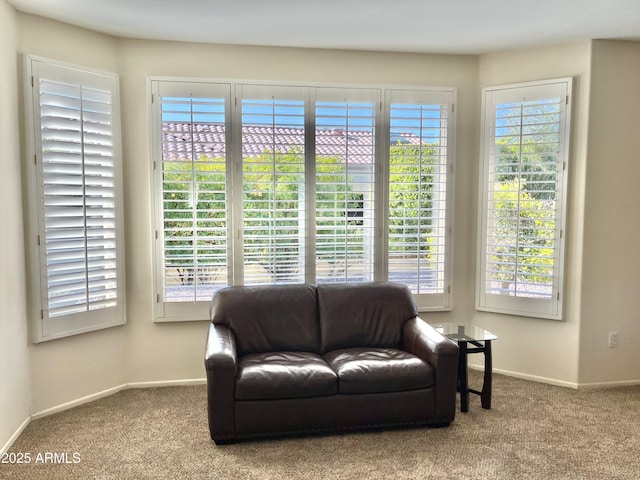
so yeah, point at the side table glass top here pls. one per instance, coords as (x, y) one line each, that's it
(464, 331)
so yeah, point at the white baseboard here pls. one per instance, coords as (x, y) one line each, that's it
(110, 391)
(77, 402)
(533, 378)
(561, 383)
(15, 436)
(536, 378)
(603, 385)
(96, 396)
(170, 383)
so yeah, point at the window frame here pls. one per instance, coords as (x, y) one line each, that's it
(526, 306)
(193, 311)
(46, 327)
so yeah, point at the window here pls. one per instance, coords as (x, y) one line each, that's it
(523, 198)
(191, 205)
(345, 162)
(192, 179)
(419, 195)
(273, 179)
(76, 178)
(262, 184)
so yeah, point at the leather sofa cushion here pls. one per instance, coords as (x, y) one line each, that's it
(280, 375)
(377, 370)
(363, 315)
(269, 318)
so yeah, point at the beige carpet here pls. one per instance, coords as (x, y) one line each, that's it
(533, 431)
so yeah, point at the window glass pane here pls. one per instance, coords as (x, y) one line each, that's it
(417, 196)
(273, 177)
(194, 199)
(523, 187)
(345, 165)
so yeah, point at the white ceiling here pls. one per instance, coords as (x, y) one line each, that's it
(435, 26)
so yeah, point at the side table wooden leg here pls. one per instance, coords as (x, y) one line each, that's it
(463, 382)
(485, 396)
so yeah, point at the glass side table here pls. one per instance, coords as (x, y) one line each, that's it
(480, 339)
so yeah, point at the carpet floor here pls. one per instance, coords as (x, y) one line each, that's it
(533, 431)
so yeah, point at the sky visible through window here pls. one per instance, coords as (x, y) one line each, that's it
(407, 118)
(508, 115)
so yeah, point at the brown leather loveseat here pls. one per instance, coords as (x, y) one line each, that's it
(300, 359)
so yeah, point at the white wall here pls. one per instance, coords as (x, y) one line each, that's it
(611, 258)
(14, 360)
(535, 348)
(71, 368)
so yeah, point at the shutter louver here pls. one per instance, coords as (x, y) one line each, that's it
(345, 166)
(273, 177)
(79, 197)
(417, 196)
(194, 207)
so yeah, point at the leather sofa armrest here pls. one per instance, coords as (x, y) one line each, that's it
(220, 352)
(422, 340)
(221, 364)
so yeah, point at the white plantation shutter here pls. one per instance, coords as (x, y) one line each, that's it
(345, 147)
(273, 179)
(419, 164)
(191, 179)
(524, 190)
(76, 133)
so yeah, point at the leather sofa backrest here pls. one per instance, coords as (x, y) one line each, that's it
(363, 315)
(269, 318)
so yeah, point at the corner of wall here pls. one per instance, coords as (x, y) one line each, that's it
(15, 394)
(610, 258)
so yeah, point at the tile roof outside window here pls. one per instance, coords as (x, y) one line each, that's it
(209, 139)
